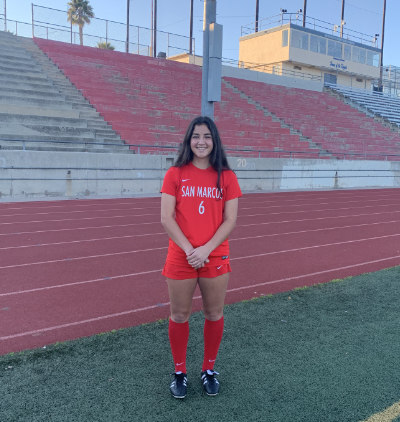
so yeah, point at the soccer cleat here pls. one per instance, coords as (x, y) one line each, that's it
(178, 386)
(210, 382)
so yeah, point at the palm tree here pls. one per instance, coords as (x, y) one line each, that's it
(79, 13)
(105, 45)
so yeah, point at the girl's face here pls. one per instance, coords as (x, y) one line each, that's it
(201, 142)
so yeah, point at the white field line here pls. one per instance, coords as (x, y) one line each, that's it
(145, 272)
(132, 311)
(387, 415)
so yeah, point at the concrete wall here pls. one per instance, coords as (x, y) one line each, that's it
(27, 175)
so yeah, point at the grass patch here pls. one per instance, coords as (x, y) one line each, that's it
(325, 353)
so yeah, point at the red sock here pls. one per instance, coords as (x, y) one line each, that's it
(178, 338)
(213, 331)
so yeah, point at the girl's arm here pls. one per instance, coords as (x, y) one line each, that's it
(200, 254)
(168, 203)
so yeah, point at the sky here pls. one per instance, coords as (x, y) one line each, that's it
(364, 16)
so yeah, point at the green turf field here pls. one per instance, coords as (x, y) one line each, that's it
(321, 354)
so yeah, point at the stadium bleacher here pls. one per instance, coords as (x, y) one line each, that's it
(41, 110)
(377, 102)
(327, 121)
(149, 102)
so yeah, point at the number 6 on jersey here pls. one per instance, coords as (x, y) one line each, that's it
(201, 208)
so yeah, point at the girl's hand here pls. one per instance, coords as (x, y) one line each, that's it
(198, 257)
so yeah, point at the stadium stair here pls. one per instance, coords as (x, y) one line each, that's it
(41, 110)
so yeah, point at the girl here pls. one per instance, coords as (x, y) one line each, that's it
(199, 204)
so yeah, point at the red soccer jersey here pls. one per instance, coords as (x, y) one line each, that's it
(199, 209)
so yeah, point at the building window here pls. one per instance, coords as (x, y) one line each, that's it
(372, 58)
(347, 52)
(299, 40)
(329, 78)
(359, 55)
(317, 44)
(285, 38)
(335, 49)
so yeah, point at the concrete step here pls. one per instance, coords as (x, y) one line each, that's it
(7, 99)
(24, 76)
(71, 131)
(28, 134)
(9, 59)
(39, 111)
(62, 146)
(26, 119)
(31, 93)
(19, 69)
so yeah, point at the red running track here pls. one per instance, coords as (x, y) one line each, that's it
(75, 268)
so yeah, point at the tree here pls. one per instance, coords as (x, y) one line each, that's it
(79, 13)
(105, 45)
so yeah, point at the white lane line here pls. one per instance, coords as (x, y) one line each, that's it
(313, 247)
(81, 211)
(333, 217)
(318, 210)
(38, 245)
(113, 226)
(237, 225)
(311, 203)
(83, 241)
(128, 216)
(362, 264)
(152, 271)
(79, 204)
(314, 230)
(109, 316)
(79, 258)
(78, 283)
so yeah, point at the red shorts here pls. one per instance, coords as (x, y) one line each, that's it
(178, 268)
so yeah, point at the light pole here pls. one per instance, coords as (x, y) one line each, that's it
(257, 10)
(127, 26)
(382, 41)
(304, 13)
(212, 59)
(342, 21)
(155, 29)
(191, 29)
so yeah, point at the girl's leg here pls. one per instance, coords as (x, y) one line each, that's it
(213, 292)
(180, 294)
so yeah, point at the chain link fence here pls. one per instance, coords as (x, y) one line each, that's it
(53, 24)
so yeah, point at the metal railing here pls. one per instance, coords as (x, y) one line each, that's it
(52, 24)
(312, 23)
(271, 69)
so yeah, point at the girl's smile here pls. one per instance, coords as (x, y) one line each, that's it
(201, 143)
